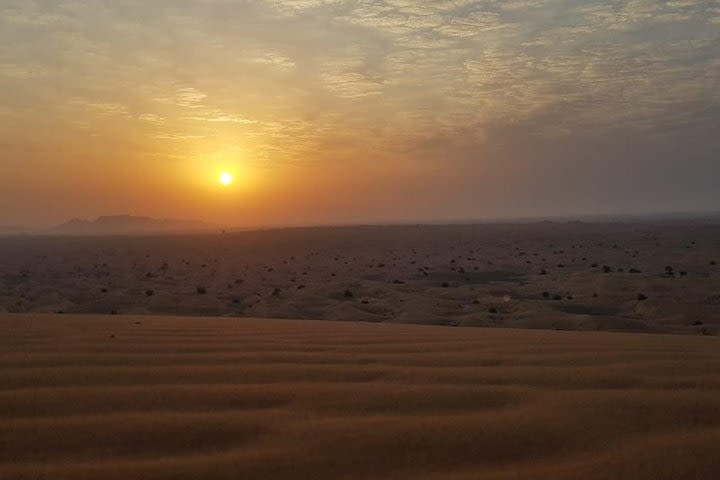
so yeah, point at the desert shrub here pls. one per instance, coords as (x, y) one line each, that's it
(492, 310)
(149, 293)
(445, 285)
(201, 290)
(607, 269)
(546, 294)
(276, 292)
(543, 272)
(557, 297)
(348, 294)
(641, 297)
(635, 270)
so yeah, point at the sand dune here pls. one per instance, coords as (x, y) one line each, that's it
(151, 397)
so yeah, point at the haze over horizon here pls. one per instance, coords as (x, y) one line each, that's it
(338, 111)
(131, 224)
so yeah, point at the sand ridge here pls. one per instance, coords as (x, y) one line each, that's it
(152, 397)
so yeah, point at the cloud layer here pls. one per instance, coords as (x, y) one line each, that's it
(395, 87)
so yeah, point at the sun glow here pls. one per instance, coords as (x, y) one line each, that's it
(226, 178)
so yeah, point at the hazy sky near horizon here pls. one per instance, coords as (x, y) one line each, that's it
(351, 110)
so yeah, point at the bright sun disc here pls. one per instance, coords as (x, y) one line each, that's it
(226, 178)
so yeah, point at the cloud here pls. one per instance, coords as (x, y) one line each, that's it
(151, 117)
(289, 77)
(16, 71)
(221, 117)
(189, 97)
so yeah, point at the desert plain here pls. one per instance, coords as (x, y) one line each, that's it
(661, 277)
(357, 353)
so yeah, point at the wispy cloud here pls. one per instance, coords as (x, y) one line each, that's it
(296, 76)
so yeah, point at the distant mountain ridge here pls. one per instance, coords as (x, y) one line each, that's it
(129, 225)
(11, 230)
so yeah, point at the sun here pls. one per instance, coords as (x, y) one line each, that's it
(226, 178)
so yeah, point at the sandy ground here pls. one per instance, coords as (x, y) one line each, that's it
(151, 397)
(659, 277)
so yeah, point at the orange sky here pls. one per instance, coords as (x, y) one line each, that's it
(336, 111)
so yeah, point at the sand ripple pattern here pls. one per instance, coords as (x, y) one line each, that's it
(89, 397)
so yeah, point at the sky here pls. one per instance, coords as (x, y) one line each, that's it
(348, 111)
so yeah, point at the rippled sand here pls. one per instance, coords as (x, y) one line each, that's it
(150, 397)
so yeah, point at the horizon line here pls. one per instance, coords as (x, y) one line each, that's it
(217, 228)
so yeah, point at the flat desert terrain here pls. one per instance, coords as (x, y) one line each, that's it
(152, 397)
(641, 277)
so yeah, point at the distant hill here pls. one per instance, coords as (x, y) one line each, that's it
(131, 225)
(6, 230)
